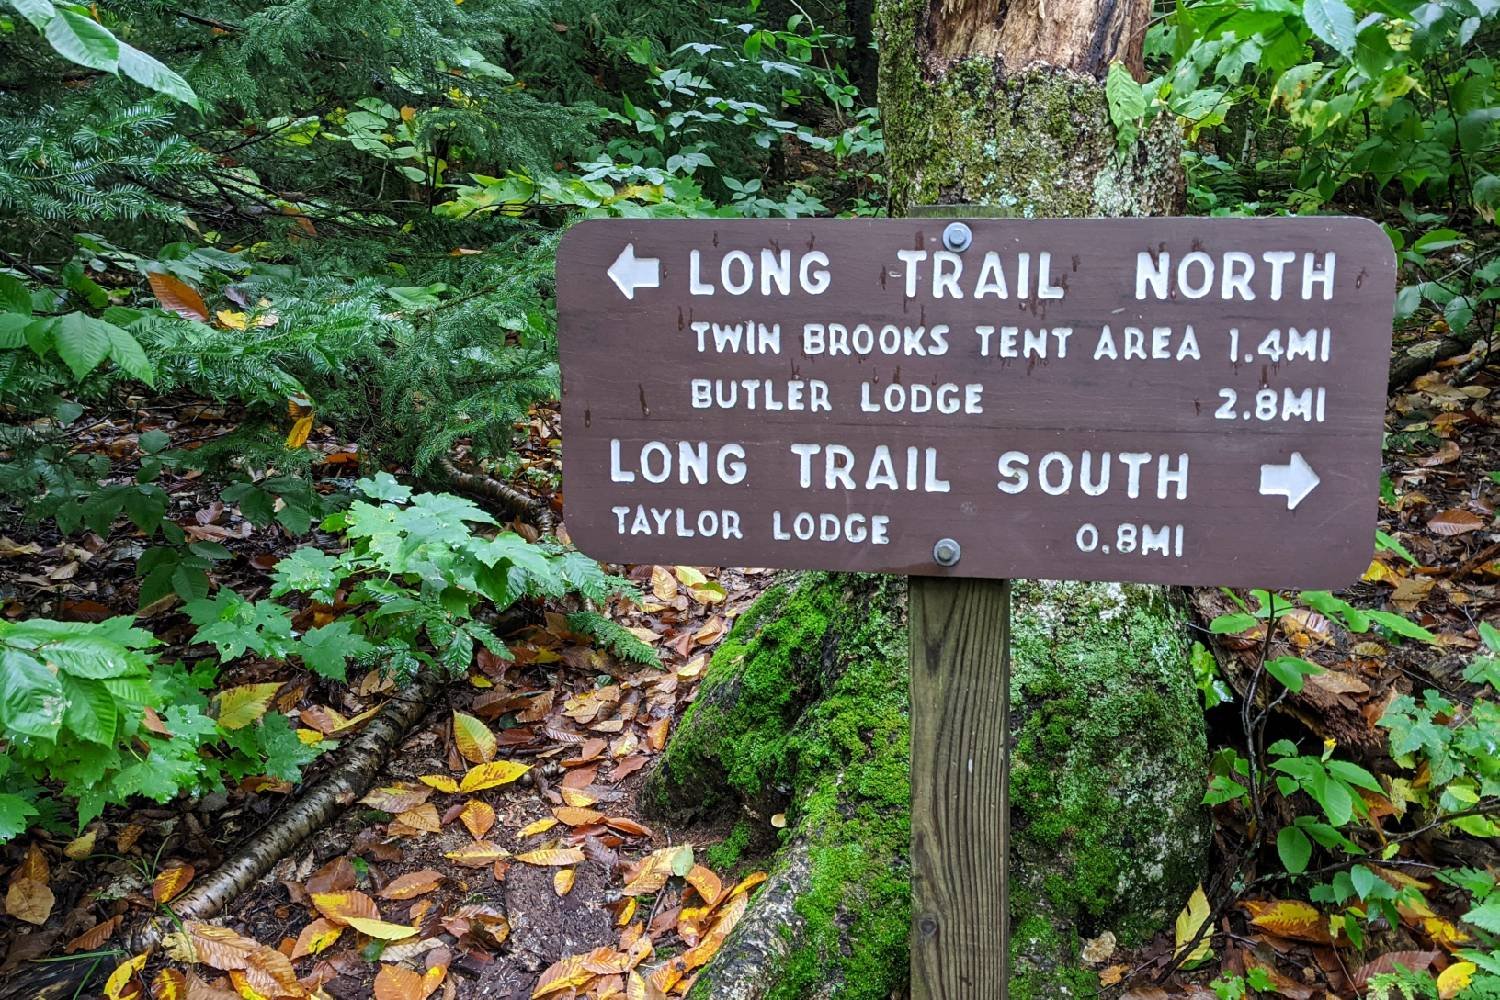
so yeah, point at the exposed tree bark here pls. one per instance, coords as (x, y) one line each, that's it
(510, 500)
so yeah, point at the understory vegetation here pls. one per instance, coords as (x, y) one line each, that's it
(288, 270)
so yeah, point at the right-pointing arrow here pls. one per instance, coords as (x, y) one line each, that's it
(1294, 480)
(630, 272)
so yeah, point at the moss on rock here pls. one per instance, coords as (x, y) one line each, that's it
(804, 709)
(1107, 775)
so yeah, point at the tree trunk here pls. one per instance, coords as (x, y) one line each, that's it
(804, 709)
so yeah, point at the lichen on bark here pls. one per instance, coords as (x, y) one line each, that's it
(1035, 140)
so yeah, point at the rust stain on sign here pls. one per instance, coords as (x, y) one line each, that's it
(1191, 401)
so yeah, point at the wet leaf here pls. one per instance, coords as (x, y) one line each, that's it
(170, 882)
(477, 817)
(240, 706)
(169, 984)
(1455, 522)
(1290, 919)
(552, 857)
(492, 775)
(412, 884)
(1193, 917)
(474, 739)
(177, 296)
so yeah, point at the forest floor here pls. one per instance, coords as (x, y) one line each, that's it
(547, 881)
(528, 883)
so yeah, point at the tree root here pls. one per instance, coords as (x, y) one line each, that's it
(1424, 357)
(510, 499)
(750, 962)
(358, 765)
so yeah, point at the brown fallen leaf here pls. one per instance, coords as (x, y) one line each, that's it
(29, 900)
(412, 884)
(1455, 522)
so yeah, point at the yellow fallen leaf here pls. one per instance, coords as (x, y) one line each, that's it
(492, 775)
(475, 741)
(123, 974)
(231, 320)
(477, 817)
(441, 782)
(689, 577)
(553, 857)
(380, 928)
(1289, 918)
(297, 436)
(540, 826)
(1192, 917)
(1455, 979)
(562, 881)
(170, 882)
(240, 706)
(82, 846)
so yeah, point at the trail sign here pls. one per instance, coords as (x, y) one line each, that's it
(1190, 401)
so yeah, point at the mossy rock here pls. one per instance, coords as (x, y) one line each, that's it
(1107, 775)
(804, 710)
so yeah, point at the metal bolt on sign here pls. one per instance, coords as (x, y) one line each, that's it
(957, 237)
(946, 552)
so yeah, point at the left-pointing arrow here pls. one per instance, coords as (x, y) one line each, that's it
(630, 272)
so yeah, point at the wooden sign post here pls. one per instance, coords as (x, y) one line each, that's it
(1187, 401)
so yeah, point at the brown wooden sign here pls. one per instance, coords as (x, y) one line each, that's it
(1191, 401)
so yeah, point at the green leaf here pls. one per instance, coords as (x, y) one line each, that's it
(1290, 671)
(38, 12)
(14, 813)
(324, 650)
(1127, 99)
(14, 298)
(1363, 880)
(1401, 626)
(384, 487)
(1352, 774)
(1232, 623)
(127, 352)
(80, 40)
(1333, 796)
(1486, 917)
(13, 329)
(1294, 849)
(92, 713)
(31, 697)
(1333, 22)
(150, 72)
(82, 342)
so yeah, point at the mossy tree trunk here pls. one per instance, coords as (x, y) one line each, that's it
(804, 709)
